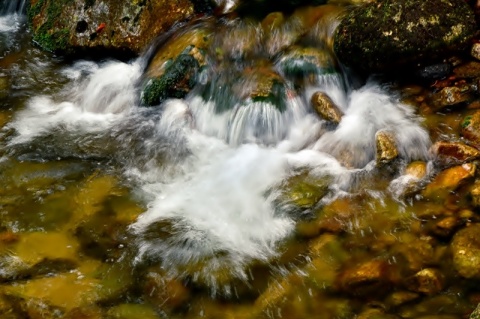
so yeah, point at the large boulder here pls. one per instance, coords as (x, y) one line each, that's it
(73, 26)
(385, 35)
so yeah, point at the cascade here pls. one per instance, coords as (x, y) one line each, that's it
(12, 6)
(213, 170)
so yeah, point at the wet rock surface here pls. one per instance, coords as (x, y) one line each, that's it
(101, 26)
(401, 32)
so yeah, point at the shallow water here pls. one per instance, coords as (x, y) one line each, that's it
(181, 211)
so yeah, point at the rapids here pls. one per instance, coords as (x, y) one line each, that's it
(210, 182)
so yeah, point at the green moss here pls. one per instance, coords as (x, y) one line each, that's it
(53, 35)
(178, 79)
(466, 121)
(277, 96)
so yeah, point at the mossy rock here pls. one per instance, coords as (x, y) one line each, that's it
(176, 82)
(386, 35)
(308, 61)
(101, 27)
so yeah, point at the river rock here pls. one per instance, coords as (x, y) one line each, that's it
(262, 84)
(449, 180)
(175, 67)
(132, 311)
(476, 313)
(475, 194)
(326, 108)
(100, 26)
(303, 191)
(470, 129)
(454, 153)
(475, 51)
(386, 147)
(366, 279)
(452, 95)
(385, 35)
(306, 62)
(327, 257)
(465, 248)
(166, 293)
(417, 169)
(468, 70)
(428, 281)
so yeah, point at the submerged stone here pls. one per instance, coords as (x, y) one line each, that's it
(385, 35)
(132, 311)
(449, 180)
(304, 191)
(470, 129)
(428, 281)
(366, 279)
(465, 248)
(164, 292)
(326, 108)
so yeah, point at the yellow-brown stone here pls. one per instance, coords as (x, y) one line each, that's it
(386, 146)
(326, 108)
(449, 180)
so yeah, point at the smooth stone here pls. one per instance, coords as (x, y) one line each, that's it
(470, 129)
(428, 281)
(468, 70)
(454, 153)
(475, 193)
(416, 169)
(475, 51)
(326, 108)
(449, 180)
(366, 278)
(452, 95)
(386, 147)
(465, 248)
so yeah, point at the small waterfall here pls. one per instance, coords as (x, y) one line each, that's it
(210, 167)
(12, 6)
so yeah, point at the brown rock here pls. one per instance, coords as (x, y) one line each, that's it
(449, 180)
(399, 298)
(126, 26)
(475, 51)
(167, 293)
(325, 107)
(471, 129)
(370, 277)
(386, 146)
(428, 281)
(452, 95)
(468, 70)
(416, 169)
(465, 248)
(454, 153)
(446, 226)
(327, 257)
(475, 194)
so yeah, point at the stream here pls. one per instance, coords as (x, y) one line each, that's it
(192, 209)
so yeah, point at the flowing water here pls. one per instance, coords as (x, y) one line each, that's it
(196, 193)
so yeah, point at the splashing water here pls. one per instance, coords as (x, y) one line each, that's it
(211, 180)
